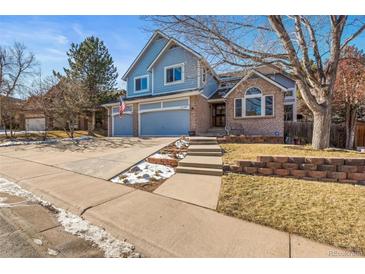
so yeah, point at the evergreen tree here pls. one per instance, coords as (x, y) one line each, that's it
(92, 65)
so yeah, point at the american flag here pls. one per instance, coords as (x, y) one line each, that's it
(121, 106)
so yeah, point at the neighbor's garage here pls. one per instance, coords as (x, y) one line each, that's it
(35, 124)
(122, 125)
(164, 118)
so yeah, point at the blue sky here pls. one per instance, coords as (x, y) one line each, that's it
(49, 37)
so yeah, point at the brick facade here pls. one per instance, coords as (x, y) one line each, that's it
(258, 125)
(200, 114)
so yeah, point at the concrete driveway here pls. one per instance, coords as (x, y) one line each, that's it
(101, 158)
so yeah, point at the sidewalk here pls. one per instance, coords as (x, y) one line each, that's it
(158, 226)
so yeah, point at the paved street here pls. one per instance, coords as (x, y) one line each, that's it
(30, 231)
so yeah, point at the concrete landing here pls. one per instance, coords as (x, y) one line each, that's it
(202, 161)
(202, 190)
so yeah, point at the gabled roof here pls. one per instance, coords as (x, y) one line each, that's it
(152, 38)
(167, 46)
(251, 72)
(170, 42)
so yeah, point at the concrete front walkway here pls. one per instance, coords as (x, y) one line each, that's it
(100, 158)
(158, 226)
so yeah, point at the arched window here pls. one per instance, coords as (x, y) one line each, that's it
(253, 91)
(254, 104)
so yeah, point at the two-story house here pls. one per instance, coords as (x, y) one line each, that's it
(172, 90)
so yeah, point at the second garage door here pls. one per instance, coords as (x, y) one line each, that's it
(165, 118)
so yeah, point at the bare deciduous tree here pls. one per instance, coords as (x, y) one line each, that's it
(349, 92)
(308, 47)
(41, 99)
(16, 63)
(70, 99)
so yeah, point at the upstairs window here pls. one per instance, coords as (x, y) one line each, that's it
(174, 74)
(141, 83)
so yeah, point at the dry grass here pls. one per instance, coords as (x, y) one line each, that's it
(235, 152)
(329, 213)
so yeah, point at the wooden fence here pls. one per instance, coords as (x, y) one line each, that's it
(301, 133)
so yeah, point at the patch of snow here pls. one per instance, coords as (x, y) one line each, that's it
(161, 156)
(51, 141)
(38, 241)
(181, 155)
(181, 143)
(52, 252)
(143, 173)
(112, 247)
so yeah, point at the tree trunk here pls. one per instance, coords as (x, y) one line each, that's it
(350, 121)
(321, 129)
(91, 123)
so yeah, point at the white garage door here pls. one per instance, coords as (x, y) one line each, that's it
(34, 124)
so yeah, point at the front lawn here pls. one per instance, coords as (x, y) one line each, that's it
(329, 213)
(233, 152)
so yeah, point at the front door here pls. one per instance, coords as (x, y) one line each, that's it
(219, 115)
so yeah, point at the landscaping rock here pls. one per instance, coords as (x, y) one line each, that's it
(356, 176)
(290, 165)
(250, 170)
(264, 159)
(297, 160)
(281, 172)
(314, 160)
(354, 162)
(349, 169)
(265, 171)
(274, 165)
(337, 175)
(297, 173)
(317, 174)
(308, 166)
(334, 161)
(327, 168)
(244, 163)
(280, 159)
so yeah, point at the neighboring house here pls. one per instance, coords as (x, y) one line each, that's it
(172, 90)
(10, 112)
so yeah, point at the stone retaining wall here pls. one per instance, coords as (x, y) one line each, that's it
(251, 139)
(161, 161)
(309, 168)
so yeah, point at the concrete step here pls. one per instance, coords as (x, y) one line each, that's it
(202, 162)
(198, 170)
(204, 148)
(204, 153)
(213, 142)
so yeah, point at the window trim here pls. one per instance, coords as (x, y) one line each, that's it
(140, 77)
(263, 105)
(162, 108)
(182, 65)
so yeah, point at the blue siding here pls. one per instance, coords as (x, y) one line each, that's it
(123, 126)
(141, 67)
(170, 57)
(165, 123)
(210, 86)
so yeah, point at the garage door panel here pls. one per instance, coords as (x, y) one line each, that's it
(123, 126)
(35, 124)
(165, 123)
